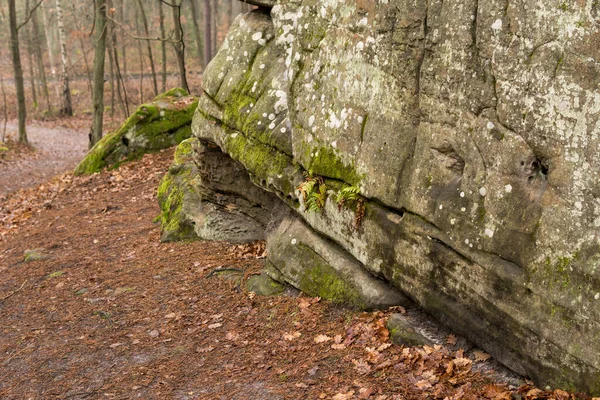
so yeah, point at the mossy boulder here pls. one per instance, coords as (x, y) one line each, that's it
(3, 147)
(157, 125)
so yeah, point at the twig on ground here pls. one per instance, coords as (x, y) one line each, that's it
(15, 291)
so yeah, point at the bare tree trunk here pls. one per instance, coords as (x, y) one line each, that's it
(27, 36)
(163, 45)
(5, 109)
(40, 59)
(198, 34)
(18, 70)
(123, 100)
(207, 32)
(111, 63)
(230, 15)
(99, 57)
(179, 45)
(67, 106)
(141, 57)
(50, 49)
(124, 46)
(213, 42)
(149, 45)
(82, 45)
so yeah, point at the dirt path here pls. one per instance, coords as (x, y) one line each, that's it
(57, 150)
(106, 311)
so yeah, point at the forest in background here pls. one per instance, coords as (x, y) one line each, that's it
(57, 41)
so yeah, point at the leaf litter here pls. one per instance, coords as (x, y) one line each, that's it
(181, 334)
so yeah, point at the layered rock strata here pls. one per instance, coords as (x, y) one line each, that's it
(448, 149)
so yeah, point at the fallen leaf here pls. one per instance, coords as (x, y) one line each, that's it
(361, 366)
(204, 349)
(215, 325)
(423, 384)
(365, 393)
(462, 362)
(343, 396)
(481, 356)
(384, 346)
(291, 336)
(451, 340)
(322, 338)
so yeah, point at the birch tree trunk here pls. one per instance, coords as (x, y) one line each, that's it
(50, 48)
(67, 106)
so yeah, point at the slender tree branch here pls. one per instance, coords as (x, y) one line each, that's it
(168, 39)
(30, 14)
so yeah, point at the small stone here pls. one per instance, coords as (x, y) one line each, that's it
(403, 333)
(263, 285)
(154, 333)
(34, 255)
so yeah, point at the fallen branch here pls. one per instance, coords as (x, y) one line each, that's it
(14, 291)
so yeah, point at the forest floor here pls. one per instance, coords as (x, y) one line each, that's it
(93, 305)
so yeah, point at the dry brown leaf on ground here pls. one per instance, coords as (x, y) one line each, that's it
(451, 340)
(291, 336)
(322, 338)
(481, 356)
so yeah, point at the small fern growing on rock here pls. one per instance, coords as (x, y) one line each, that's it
(314, 193)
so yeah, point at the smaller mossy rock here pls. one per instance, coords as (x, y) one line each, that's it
(175, 187)
(34, 255)
(403, 333)
(264, 285)
(160, 124)
(321, 268)
(3, 147)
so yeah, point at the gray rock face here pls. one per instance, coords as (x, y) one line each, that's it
(470, 132)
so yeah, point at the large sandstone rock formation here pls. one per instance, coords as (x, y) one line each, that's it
(451, 150)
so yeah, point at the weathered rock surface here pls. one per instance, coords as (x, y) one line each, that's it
(470, 132)
(319, 268)
(163, 123)
(208, 195)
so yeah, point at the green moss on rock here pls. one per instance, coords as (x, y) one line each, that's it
(160, 124)
(171, 195)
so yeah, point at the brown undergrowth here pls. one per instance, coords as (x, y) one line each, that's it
(105, 310)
